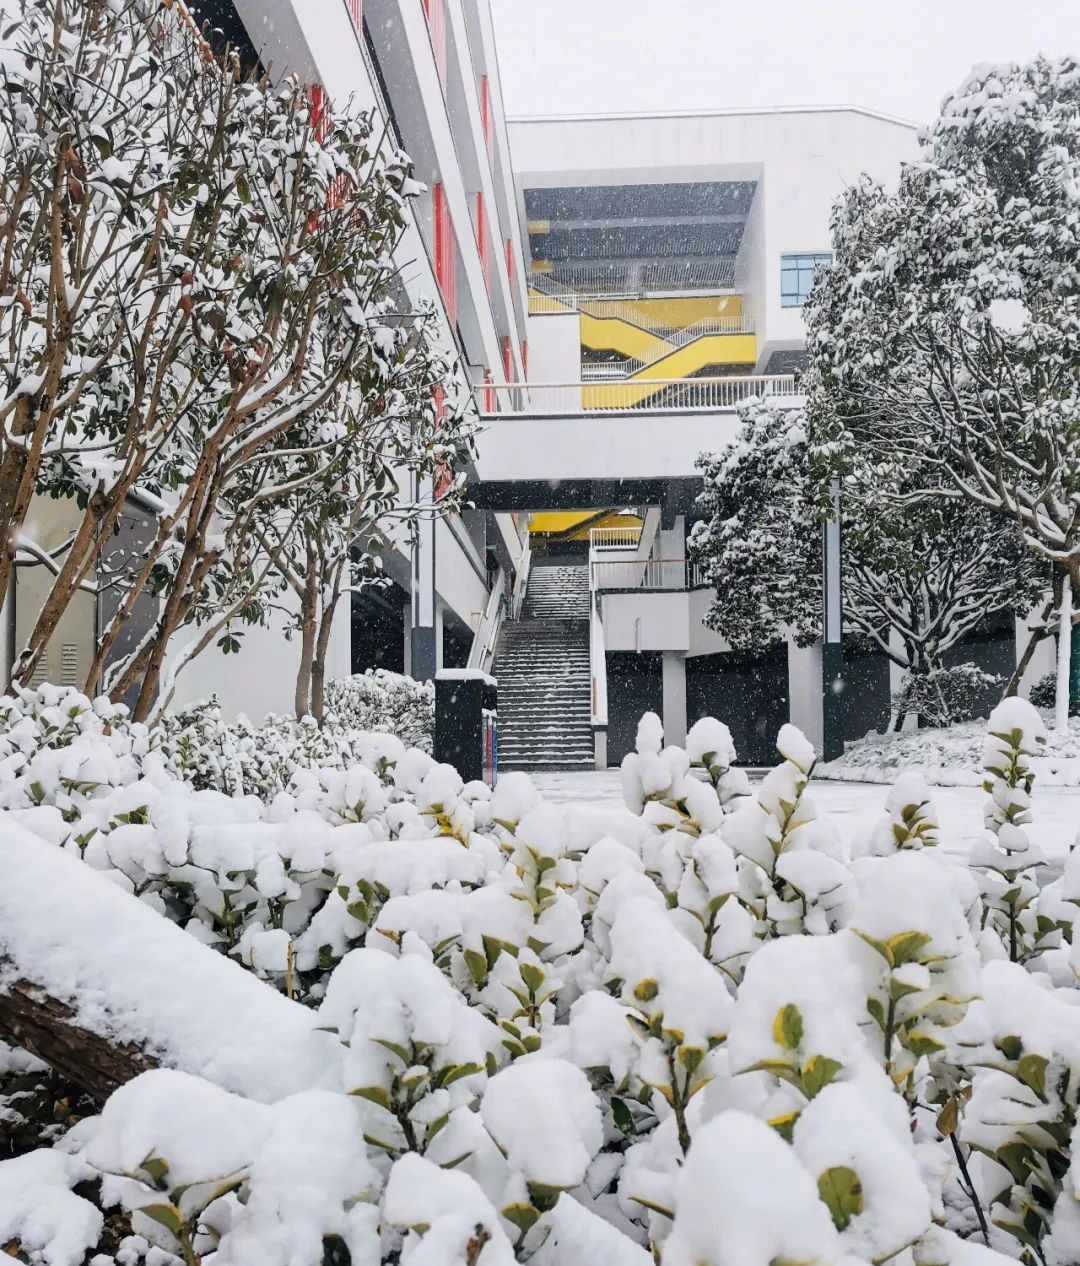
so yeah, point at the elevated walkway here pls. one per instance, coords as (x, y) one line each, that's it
(605, 438)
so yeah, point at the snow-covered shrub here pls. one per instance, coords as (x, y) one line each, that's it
(382, 700)
(944, 696)
(1023, 1044)
(795, 877)
(241, 758)
(1043, 694)
(684, 1031)
(910, 820)
(1008, 859)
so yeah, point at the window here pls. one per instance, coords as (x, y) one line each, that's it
(483, 240)
(445, 252)
(485, 118)
(797, 276)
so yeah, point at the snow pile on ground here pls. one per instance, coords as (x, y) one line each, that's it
(696, 1030)
(950, 757)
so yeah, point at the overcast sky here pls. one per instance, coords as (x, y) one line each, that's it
(898, 56)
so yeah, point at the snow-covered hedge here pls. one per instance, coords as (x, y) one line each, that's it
(944, 696)
(698, 1030)
(197, 744)
(382, 700)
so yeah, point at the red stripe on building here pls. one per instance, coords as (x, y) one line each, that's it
(445, 252)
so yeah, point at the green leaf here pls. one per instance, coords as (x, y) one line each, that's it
(155, 1167)
(523, 1216)
(532, 975)
(788, 1027)
(395, 1049)
(374, 1094)
(784, 1124)
(646, 990)
(477, 964)
(841, 1190)
(1010, 1047)
(921, 1043)
(1031, 1069)
(166, 1215)
(906, 945)
(623, 1117)
(817, 1073)
(656, 1208)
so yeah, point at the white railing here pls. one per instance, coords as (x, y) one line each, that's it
(656, 574)
(655, 395)
(598, 707)
(517, 598)
(606, 370)
(668, 343)
(482, 652)
(560, 298)
(615, 537)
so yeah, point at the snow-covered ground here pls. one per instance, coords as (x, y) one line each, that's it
(951, 757)
(856, 806)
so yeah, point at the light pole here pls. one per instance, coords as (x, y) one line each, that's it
(832, 651)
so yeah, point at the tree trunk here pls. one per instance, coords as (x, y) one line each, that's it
(46, 1027)
(318, 672)
(1038, 634)
(1064, 660)
(303, 701)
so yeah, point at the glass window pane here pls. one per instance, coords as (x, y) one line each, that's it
(797, 276)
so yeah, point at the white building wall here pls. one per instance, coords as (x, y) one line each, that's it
(555, 353)
(802, 159)
(646, 622)
(261, 678)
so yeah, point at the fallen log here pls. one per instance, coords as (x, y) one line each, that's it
(47, 1028)
(101, 987)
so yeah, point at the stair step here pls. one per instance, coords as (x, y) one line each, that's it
(543, 667)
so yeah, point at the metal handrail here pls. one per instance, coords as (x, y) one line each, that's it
(668, 343)
(655, 395)
(557, 298)
(615, 537)
(482, 652)
(655, 574)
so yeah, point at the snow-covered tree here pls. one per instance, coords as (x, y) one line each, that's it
(195, 270)
(948, 322)
(917, 577)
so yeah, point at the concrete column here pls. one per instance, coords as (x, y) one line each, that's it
(600, 747)
(423, 650)
(674, 677)
(672, 541)
(805, 705)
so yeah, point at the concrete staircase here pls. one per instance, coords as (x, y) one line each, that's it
(542, 666)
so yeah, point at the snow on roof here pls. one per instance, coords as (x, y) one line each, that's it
(714, 113)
